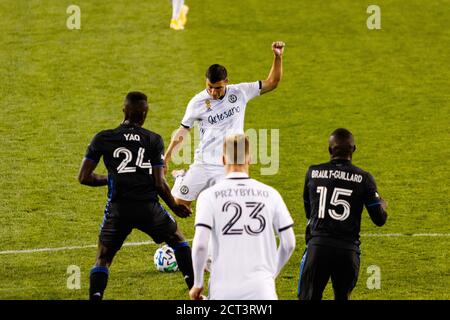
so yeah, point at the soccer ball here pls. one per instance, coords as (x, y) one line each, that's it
(164, 259)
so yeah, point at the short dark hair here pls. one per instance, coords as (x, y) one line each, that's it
(216, 73)
(136, 104)
(341, 143)
(135, 98)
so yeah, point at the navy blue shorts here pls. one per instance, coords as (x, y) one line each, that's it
(122, 217)
(319, 264)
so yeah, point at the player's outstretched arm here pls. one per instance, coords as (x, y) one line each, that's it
(176, 141)
(306, 200)
(164, 192)
(87, 176)
(375, 205)
(276, 72)
(286, 248)
(199, 256)
(378, 213)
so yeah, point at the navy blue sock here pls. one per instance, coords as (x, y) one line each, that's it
(98, 282)
(184, 260)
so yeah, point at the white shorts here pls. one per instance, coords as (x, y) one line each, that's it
(196, 179)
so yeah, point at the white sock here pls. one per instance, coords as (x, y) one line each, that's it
(176, 8)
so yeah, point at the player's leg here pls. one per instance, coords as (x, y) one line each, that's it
(161, 227)
(179, 176)
(113, 233)
(188, 186)
(183, 254)
(175, 22)
(177, 5)
(183, 14)
(345, 275)
(215, 173)
(100, 272)
(315, 272)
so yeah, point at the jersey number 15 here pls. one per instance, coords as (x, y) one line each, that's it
(335, 201)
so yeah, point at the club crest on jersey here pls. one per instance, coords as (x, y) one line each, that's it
(132, 137)
(208, 104)
(184, 190)
(232, 98)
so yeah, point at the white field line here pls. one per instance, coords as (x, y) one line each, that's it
(130, 244)
(126, 244)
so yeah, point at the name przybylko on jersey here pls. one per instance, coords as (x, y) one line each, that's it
(243, 192)
(336, 174)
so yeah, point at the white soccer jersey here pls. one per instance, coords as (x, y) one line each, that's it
(218, 118)
(243, 215)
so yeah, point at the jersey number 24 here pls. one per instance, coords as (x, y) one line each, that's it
(123, 166)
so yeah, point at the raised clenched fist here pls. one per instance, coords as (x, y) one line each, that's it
(278, 48)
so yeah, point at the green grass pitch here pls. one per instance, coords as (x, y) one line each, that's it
(59, 87)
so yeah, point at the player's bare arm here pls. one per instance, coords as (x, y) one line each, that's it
(164, 192)
(175, 143)
(276, 72)
(87, 176)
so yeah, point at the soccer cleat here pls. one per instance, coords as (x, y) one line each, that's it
(183, 14)
(176, 25)
(96, 296)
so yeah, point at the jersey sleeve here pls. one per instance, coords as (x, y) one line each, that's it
(204, 212)
(282, 219)
(306, 199)
(94, 150)
(372, 202)
(250, 89)
(189, 116)
(157, 152)
(371, 197)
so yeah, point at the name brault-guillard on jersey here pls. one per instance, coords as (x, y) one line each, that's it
(336, 174)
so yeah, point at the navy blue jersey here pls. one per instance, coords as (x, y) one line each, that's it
(335, 194)
(129, 153)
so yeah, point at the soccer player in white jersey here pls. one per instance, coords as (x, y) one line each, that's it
(241, 215)
(220, 111)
